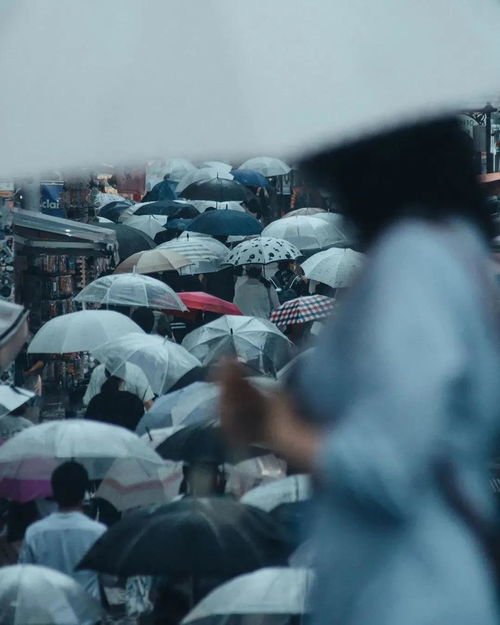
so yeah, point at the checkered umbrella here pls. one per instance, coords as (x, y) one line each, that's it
(302, 310)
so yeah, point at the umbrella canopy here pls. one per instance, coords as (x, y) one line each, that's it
(225, 222)
(205, 255)
(303, 309)
(250, 178)
(130, 240)
(271, 495)
(262, 251)
(113, 210)
(199, 300)
(164, 363)
(219, 165)
(196, 403)
(196, 537)
(12, 397)
(335, 267)
(104, 220)
(176, 168)
(202, 175)
(80, 331)
(162, 207)
(28, 459)
(199, 442)
(217, 189)
(307, 232)
(130, 289)
(255, 341)
(129, 485)
(268, 166)
(152, 261)
(13, 331)
(252, 104)
(149, 224)
(271, 590)
(37, 595)
(306, 210)
(202, 205)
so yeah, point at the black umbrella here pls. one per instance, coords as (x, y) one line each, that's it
(217, 190)
(226, 222)
(114, 210)
(195, 537)
(204, 443)
(130, 240)
(165, 207)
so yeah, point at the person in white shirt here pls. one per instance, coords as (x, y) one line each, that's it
(256, 297)
(61, 539)
(134, 381)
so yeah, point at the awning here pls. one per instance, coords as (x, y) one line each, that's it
(13, 331)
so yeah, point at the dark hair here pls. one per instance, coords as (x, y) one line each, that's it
(112, 384)
(425, 170)
(283, 265)
(144, 318)
(69, 482)
(254, 272)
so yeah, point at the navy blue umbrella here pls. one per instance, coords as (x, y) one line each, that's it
(217, 190)
(250, 178)
(161, 191)
(177, 223)
(226, 222)
(113, 210)
(165, 207)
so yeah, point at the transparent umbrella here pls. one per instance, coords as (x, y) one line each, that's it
(36, 595)
(307, 232)
(164, 363)
(205, 254)
(130, 289)
(268, 166)
(80, 331)
(257, 342)
(11, 397)
(335, 267)
(149, 224)
(176, 168)
(287, 490)
(278, 591)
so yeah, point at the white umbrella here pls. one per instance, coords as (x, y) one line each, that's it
(11, 397)
(128, 484)
(271, 590)
(307, 232)
(257, 342)
(164, 363)
(262, 251)
(253, 472)
(80, 331)
(201, 175)
(151, 261)
(130, 289)
(334, 267)
(33, 453)
(176, 168)
(267, 166)
(288, 490)
(205, 254)
(37, 595)
(251, 103)
(104, 220)
(202, 205)
(149, 224)
(306, 210)
(13, 331)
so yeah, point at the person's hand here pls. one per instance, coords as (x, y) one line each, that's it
(249, 416)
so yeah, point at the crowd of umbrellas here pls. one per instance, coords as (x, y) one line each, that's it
(245, 540)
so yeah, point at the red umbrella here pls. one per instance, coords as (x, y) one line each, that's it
(199, 300)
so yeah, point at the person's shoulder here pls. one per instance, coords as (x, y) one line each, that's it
(38, 526)
(86, 523)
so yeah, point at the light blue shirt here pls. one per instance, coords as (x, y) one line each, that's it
(60, 541)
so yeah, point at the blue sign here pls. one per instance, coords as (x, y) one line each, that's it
(50, 194)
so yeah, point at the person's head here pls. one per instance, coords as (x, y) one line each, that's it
(144, 318)
(164, 326)
(426, 170)
(254, 272)
(113, 384)
(283, 265)
(69, 482)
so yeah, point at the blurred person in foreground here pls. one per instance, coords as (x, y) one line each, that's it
(396, 410)
(60, 540)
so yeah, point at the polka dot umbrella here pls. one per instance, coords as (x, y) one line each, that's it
(262, 251)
